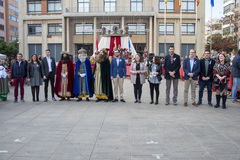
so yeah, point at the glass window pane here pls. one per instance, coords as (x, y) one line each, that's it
(30, 7)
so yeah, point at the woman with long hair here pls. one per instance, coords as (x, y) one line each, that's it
(34, 75)
(221, 71)
(155, 70)
(137, 70)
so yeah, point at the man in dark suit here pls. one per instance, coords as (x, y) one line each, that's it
(206, 77)
(191, 68)
(118, 74)
(172, 65)
(49, 73)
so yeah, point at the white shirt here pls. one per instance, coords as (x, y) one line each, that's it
(19, 63)
(49, 64)
(191, 63)
(118, 61)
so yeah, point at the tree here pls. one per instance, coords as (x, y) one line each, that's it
(219, 43)
(10, 49)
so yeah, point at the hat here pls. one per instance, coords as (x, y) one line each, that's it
(64, 52)
(82, 50)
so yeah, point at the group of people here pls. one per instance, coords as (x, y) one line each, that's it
(83, 83)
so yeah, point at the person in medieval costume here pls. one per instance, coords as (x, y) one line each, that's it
(102, 85)
(65, 78)
(3, 84)
(83, 77)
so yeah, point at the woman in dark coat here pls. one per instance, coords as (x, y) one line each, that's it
(34, 75)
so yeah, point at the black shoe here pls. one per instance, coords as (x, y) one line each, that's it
(37, 99)
(54, 99)
(139, 101)
(15, 100)
(45, 100)
(156, 103)
(122, 100)
(68, 99)
(210, 104)
(79, 99)
(62, 99)
(98, 100)
(87, 99)
(22, 100)
(115, 100)
(151, 102)
(199, 103)
(136, 101)
(106, 100)
(4, 99)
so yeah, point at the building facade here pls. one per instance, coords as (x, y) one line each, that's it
(70, 25)
(9, 20)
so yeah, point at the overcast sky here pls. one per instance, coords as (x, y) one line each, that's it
(217, 10)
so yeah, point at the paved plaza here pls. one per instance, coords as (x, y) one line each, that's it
(118, 131)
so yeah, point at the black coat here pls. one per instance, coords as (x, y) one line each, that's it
(19, 71)
(236, 66)
(202, 72)
(45, 69)
(159, 70)
(169, 67)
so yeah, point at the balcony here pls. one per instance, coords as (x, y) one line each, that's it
(99, 11)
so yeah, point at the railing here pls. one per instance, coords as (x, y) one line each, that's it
(103, 10)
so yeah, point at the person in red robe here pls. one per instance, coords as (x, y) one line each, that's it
(65, 78)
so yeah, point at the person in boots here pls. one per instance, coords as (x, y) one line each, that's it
(221, 71)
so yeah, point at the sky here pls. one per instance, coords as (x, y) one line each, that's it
(217, 10)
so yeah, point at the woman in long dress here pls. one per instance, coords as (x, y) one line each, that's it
(3, 84)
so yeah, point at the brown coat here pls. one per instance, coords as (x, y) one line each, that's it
(134, 76)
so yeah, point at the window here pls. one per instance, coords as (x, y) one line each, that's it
(54, 29)
(109, 27)
(12, 38)
(54, 6)
(170, 6)
(228, 8)
(162, 49)
(55, 51)
(236, 3)
(1, 2)
(2, 38)
(83, 28)
(15, 19)
(188, 5)
(34, 49)
(188, 28)
(136, 5)
(83, 5)
(34, 6)
(186, 49)
(1, 27)
(13, 28)
(109, 5)
(15, 9)
(34, 29)
(137, 28)
(169, 30)
(1, 15)
(139, 47)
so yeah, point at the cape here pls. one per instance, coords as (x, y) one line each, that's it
(70, 77)
(106, 80)
(88, 71)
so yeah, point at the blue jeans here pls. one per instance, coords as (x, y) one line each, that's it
(236, 84)
(202, 84)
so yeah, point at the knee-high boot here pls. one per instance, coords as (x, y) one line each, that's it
(218, 101)
(224, 99)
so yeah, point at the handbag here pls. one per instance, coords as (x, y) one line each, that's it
(216, 80)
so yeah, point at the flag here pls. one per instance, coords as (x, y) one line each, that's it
(115, 42)
(129, 44)
(180, 3)
(97, 43)
(212, 3)
(198, 2)
(166, 2)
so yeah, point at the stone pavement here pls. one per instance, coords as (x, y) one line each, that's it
(118, 131)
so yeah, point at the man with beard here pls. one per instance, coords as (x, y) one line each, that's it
(102, 85)
(65, 77)
(83, 77)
